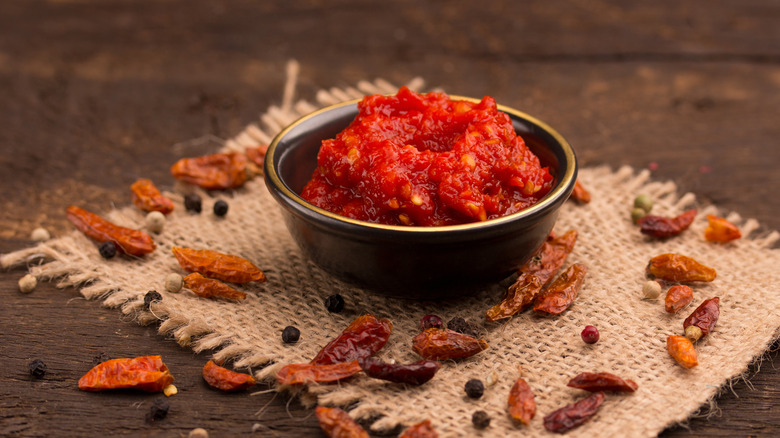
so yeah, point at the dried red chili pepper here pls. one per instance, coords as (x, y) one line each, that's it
(415, 373)
(521, 403)
(147, 373)
(256, 155)
(148, 198)
(301, 373)
(212, 172)
(574, 415)
(336, 423)
(682, 350)
(225, 379)
(517, 298)
(562, 292)
(550, 257)
(363, 337)
(423, 429)
(596, 382)
(664, 227)
(677, 297)
(443, 344)
(679, 268)
(720, 230)
(217, 265)
(579, 193)
(701, 322)
(129, 241)
(211, 288)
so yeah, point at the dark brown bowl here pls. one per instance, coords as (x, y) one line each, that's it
(413, 262)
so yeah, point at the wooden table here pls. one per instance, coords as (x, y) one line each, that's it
(96, 94)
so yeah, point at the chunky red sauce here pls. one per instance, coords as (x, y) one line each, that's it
(413, 159)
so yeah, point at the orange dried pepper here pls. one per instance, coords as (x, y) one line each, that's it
(148, 198)
(301, 373)
(146, 373)
(517, 298)
(225, 379)
(579, 193)
(363, 337)
(720, 230)
(679, 268)
(336, 423)
(423, 429)
(596, 382)
(256, 155)
(521, 403)
(677, 297)
(664, 227)
(129, 241)
(682, 350)
(443, 344)
(212, 172)
(562, 292)
(211, 288)
(217, 265)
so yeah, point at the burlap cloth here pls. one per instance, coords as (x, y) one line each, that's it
(547, 351)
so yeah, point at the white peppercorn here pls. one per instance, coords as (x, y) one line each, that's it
(173, 282)
(155, 221)
(198, 432)
(40, 235)
(651, 290)
(27, 283)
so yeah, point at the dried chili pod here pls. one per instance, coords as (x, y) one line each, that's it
(519, 297)
(363, 337)
(423, 429)
(550, 257)
(225, 379)
(677, 297)
(681, 349)
(701, 322)
(679, 268)
(147, 197)
(415, 373)
(211, 288)
(147, 373)
(256, 155)
(596, 382)
(301, 373)
(574, 415)
(562, 291)
(579, 193)
(521, 403)
(212, 172)
(129, 241)
(217, 265)
(664, 227)
(336, 423)
(720, 230)
(443, 344)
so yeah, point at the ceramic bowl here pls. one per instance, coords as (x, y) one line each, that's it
(416, 262)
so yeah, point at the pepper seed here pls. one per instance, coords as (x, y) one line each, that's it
(151, 297)
(37, 368)
(107, 249)
(40, 235)
(173, 282)
(474, 388)
(220, 208)
(198, 432)
(290, 335)
(158, 411)
(193, 203)
(27, 283)
(480, 419)
(334, 303)
(155, 221)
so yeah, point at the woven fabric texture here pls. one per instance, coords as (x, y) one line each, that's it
(545, 351)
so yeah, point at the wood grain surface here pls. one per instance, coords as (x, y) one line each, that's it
(97, 94)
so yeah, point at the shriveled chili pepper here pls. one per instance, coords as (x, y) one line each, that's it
(224, 379)
(701, 322)
(363, 337)
(301, 373)
(720, 230)
(415, 373)
(550, 257)
(596, 382)
(211, 288)
(147, 373)
(562, 291)
(212, 172)
(521, 403)
(217, 265)
(519, 297)
(147, 197)
(664, 227)
(423, 429)
(574, 415)
(443, 344)
(679, 268)
(129, 241)
(682, 350)
(336, 423)
(256, 155)
(677, 297)
(579, 193)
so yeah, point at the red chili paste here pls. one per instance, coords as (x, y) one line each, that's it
(425, 159)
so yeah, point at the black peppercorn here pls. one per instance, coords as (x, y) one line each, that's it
(100, 358)
(475, 388)
(158, 411)
(37, 368)
(460, 325)
(193, 203)
(480, 419)
(220, 208)
(290, 335)
(151, 297)
(107, 249)
(334, 303)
